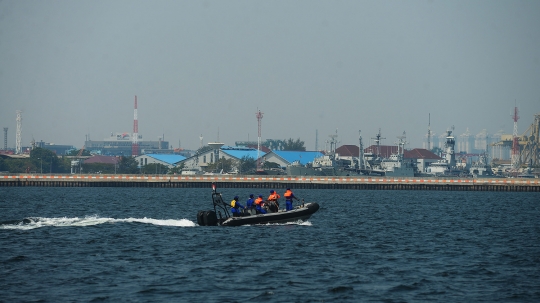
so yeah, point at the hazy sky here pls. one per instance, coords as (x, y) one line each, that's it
(205, 67)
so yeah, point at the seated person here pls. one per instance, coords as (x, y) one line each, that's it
(235, 207)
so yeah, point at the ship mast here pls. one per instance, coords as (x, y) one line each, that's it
(360, 151)
(378, 142)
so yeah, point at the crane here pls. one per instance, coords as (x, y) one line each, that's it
(81, 151)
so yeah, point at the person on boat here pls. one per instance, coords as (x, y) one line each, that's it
(273, 200)
(259, 205)
(289, 196)
(250, 204)
(235, 207)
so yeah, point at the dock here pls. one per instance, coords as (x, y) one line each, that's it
(256, 181)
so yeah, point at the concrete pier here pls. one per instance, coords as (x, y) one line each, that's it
(304, 182)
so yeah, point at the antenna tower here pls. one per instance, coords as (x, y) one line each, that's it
(259, 116)
(5, 138)
(401, 143)
(361, 151)
(515, 143)
(333, 143)
(135, 139)
(19, 132)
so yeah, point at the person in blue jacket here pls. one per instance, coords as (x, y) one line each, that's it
(235, 207)
(250, 203)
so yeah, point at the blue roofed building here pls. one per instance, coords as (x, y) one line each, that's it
(198, 163)
(241, 152)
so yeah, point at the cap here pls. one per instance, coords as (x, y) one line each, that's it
(251, 195)
(272, 191)
(236, 197)
(288, 188)
(260, 196)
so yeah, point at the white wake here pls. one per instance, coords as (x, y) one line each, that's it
(38, 222)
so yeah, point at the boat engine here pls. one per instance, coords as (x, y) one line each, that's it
(207, 218)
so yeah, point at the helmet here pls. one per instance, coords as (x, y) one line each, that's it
(236, 197)
(251, 195)
(260, 196)
(288, 188)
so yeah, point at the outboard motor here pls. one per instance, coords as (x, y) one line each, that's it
(207, 218)
(200, 217)
(210, 218)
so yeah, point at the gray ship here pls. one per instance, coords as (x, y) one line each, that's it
(327, 165)
(366, 164)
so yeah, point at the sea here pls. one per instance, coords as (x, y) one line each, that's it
(144, 245)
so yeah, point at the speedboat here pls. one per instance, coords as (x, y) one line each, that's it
(220, 216)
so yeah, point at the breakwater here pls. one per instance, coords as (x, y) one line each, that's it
(297, 182)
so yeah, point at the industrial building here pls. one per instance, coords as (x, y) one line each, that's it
(121, 144)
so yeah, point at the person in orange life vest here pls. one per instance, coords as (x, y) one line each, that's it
(273, 198)
(289, 196)
(235, 207)
(259, 203)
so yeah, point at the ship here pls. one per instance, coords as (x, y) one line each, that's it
(327, 165)
(366, 164)
(447, 166)
(395, 165)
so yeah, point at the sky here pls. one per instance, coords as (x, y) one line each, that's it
(313, 68)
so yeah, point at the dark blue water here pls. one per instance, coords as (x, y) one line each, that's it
(143, 245)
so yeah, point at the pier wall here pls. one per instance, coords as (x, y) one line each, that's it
(303, 182)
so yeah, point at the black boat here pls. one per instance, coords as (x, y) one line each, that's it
(220, 216)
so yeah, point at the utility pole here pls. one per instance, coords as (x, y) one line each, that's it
(18, 148)
(259, 116)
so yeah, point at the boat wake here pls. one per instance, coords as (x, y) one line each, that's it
(37, 222)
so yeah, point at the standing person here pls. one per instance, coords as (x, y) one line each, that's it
(289, 196)
(259, 204)
(235, 207)
(273, 198)
(250, 204)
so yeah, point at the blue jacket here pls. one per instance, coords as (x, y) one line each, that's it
(236, 207)
(261, 210)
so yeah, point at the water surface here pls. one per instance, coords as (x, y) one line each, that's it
(143, 244)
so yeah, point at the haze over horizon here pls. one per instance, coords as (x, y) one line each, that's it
(206, 67)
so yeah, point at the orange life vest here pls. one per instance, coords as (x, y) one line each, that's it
(258, 201)
(274, 197)
(288, 194)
